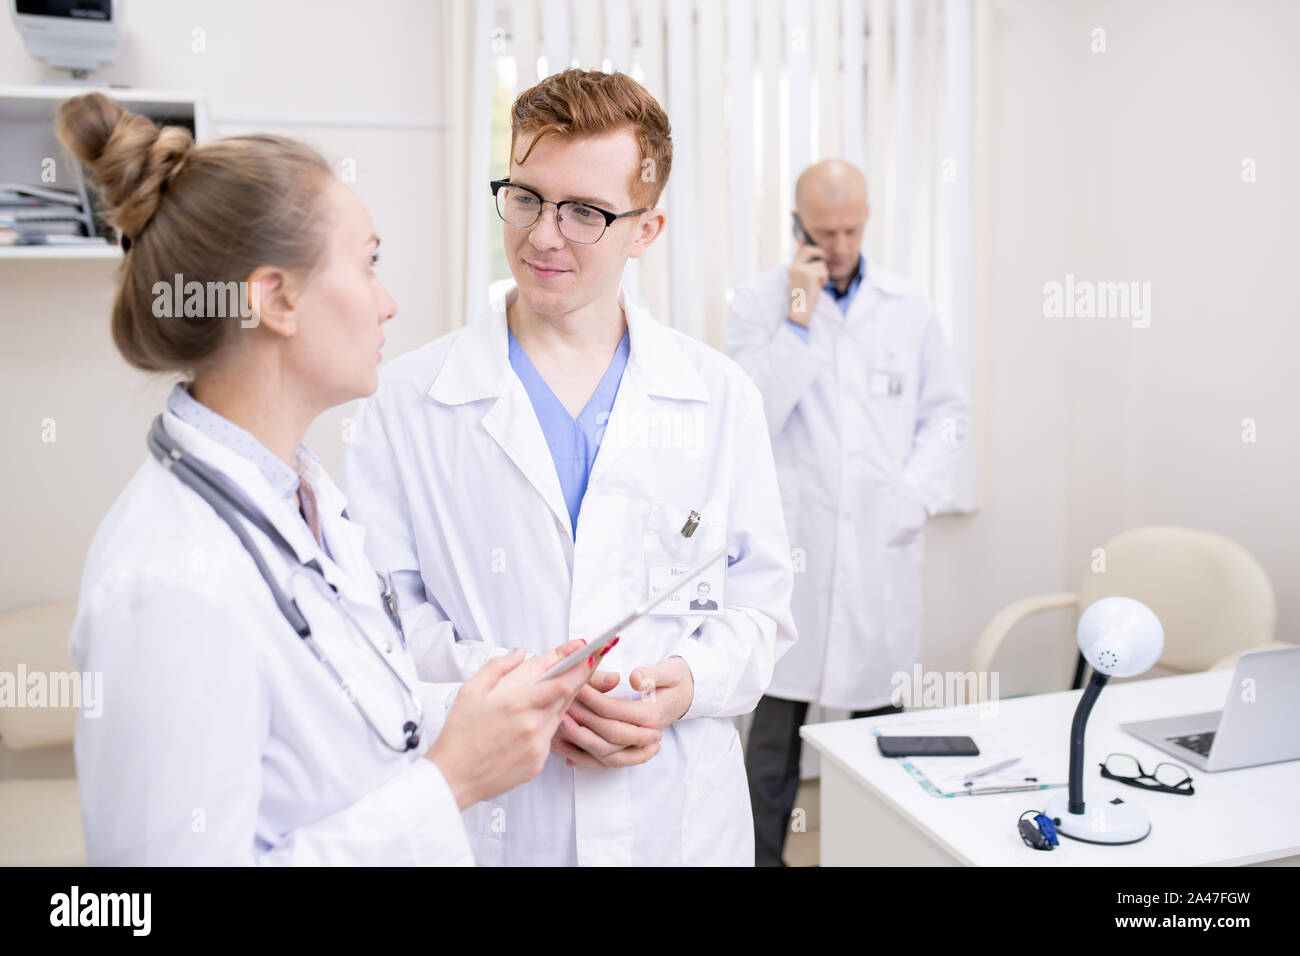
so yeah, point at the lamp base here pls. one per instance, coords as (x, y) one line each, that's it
(1107, 818)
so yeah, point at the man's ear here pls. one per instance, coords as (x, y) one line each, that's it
(647, 231)
(271, 295)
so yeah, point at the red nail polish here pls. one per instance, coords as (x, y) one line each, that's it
(591, 661)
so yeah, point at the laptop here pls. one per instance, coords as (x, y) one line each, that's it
(1259, 723)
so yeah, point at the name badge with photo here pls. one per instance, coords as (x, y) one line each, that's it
(704, 596)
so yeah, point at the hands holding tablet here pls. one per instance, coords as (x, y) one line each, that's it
(498, 731)
(603, 731)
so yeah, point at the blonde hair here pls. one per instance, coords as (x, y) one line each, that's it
(210, 213)
(589, 103)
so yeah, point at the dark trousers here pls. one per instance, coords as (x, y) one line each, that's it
(772, 762)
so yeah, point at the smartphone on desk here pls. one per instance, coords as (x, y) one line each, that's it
(927, 747)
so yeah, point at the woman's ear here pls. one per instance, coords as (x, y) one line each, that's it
(271, 296)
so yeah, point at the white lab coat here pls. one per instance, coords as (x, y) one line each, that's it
(860, 471)
(451, 474)
(222, 739)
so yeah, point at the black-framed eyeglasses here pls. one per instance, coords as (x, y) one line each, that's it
(578, 222)
(1166, 778)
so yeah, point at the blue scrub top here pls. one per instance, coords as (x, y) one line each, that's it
(573, 442)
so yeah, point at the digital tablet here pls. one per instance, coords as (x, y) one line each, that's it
(595, 647)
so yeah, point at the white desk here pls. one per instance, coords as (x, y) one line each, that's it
(874, 813)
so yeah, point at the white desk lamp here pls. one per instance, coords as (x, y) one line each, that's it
(1119, 637)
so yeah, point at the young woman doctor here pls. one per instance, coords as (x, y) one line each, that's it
(261, 706)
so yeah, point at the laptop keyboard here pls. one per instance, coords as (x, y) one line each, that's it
(1198, 743)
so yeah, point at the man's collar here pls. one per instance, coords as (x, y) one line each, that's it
(859, 275)
(478, 363)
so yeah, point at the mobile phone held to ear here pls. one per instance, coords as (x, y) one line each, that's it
(801, 236)
(927, 747)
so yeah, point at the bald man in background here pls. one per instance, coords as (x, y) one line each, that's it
(867, 419)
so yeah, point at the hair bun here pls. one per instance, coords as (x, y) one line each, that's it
(133, 160)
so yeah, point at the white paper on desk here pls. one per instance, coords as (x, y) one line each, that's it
(951, 780)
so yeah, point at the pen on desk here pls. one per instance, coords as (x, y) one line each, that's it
(988, 770)
(1013, 789)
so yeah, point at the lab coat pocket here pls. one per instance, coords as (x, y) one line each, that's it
(889, 401)
(892, 371)
(902, 599)
(907, 517)
(717, 824)
(668, 555)
(485, 825)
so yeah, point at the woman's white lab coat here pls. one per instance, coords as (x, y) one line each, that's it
(223, 740)
(451, 474)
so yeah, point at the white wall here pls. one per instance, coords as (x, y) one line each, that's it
(322, 62)
(1126, 165)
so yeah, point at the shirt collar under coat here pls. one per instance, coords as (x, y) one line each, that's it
(477, 366)
(220, 429)
(877, 286)
(346, 537)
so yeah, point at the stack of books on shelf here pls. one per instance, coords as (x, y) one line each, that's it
(43, 215)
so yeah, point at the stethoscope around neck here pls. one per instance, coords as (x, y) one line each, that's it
(230, 504)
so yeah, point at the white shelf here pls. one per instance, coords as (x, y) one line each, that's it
(40, 103)
(27, 130)
(76, 251)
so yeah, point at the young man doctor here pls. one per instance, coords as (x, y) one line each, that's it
(550, 466)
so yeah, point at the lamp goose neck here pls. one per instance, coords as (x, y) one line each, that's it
(1090, 695)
